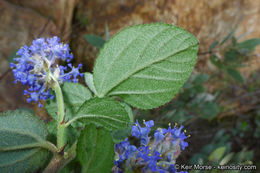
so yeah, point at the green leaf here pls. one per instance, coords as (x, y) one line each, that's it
(52, 131)
(18, 131)
(89, 81)
(209, 110)
(217, 154)
(216, 61)
(95, 40)
(129, 111)
(249, 45)
(226, 159)
(95, 150)
(104, 112)
(145, 64)
(120, 135)
(231, 55)
(199, 79)
(228, 36)
(74, 95)
(236, 75)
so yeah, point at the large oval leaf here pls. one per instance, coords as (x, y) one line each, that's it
(95, 150)
(20, 129)
(104, 112)
(145, 64)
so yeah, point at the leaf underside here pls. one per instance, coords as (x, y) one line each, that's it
(145, 64)
(17, 129)
(104, 112)
(95, 150)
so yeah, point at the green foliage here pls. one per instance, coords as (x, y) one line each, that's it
(95, 40)
(145, 64)
(95, 150)
(218, 152)
(89, 81)
(236, 75)
(234, 54)
(71, 133)
(74, 96)
(104, 112)
(249, 45)
(257, 122)
(230, 35)
(220, 140)
(121, 134)
(22, 137)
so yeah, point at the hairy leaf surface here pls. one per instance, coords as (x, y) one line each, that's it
(104, 112)
(95, 150)
(19, 129)
(145, 64)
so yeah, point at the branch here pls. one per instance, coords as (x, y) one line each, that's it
(60, 161)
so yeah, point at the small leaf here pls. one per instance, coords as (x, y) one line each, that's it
(95, 150)
(226, 159)
(249, 45)
(19, 129)
(216, 61)
(213, 45)
(95, 40)
(209, 110)
(129, 111)
(231, 55)
(200, 79)
(52, 131)
(228, 36)
(104, 112)
(89, 81)
(217, 154)
(236, 75)
(145, 64)
(74, 95)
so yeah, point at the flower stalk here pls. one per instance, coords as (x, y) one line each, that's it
(61, 137)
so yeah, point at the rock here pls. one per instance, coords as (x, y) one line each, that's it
(207, 20)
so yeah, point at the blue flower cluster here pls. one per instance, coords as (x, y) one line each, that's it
(153, 155)
(36, 66)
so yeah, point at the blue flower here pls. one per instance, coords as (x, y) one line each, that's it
(142, 132)
(153, 155)
(158, 135)
(177, 134)
(36, 66)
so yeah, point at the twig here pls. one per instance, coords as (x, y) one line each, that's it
(205, 53)
(59, 161)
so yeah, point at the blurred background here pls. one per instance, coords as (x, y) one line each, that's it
(219, 105)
